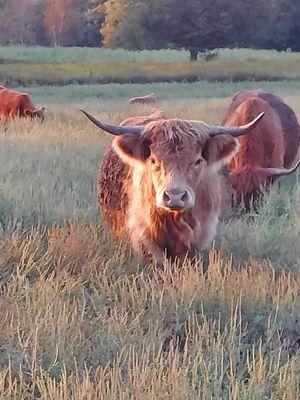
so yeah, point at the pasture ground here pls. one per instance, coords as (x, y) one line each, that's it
(63, 66)
(80, 320)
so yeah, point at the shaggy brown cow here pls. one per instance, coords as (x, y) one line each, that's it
(14, 104)
(159, 183)
(288, 119)
(263, 155)
(147, 99)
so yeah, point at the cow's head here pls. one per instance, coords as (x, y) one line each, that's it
(40, 114)
(174, 155)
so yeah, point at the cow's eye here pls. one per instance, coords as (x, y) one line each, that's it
(154, 163)
(198, 162)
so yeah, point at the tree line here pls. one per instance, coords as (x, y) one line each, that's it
(195, 25)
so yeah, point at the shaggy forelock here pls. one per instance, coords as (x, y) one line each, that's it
(176, 131)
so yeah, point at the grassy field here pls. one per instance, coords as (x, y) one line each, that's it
(112, 96)
(69, 54)
(60, 66)
(80, 320)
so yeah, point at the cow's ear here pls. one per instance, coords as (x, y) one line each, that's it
(132, 148)
(220, 149)
(28, 113)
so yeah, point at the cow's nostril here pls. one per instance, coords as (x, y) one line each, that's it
(184, 196)
(166, 196)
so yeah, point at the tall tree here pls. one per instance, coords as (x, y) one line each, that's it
(194, 25)
(82, 26)
(131, 24)
(286, 26)
(22, 22)
(55, 19)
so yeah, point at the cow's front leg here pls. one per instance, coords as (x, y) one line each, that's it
(148, 252)
(156, 253)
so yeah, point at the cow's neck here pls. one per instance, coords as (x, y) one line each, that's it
(172, 231)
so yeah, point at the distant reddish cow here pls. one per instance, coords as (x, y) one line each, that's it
(263, 154)
(159, 183)
(14, 104)
(147, 99)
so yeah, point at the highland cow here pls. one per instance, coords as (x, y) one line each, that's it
(269, 152)
(14, 104)
(159, 183)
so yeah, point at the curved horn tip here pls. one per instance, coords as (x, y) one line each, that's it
(282, 171)
(83, 111)
(260, 116)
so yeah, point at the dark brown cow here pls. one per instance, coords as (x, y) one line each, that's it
(263, 155)
(159, 183)
(14, 104)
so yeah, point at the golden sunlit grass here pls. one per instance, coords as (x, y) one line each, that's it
(80, 320)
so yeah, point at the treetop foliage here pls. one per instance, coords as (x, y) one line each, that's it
(195, 25)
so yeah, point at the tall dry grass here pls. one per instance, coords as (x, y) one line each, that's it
(81, 320)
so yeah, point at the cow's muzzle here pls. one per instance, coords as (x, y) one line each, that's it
(176, 199)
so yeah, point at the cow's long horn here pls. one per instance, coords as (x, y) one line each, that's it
(235, 131)
(114, 129)
(277, 172)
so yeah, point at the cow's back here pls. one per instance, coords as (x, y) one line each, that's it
(114, 182)
(264, 146)
(13, 104)
(290, 126)
(9, 103)
(288, 120)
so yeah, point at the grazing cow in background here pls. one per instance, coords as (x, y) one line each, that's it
(159, 183)
(147, 99)
(265, 153)
(14, 104)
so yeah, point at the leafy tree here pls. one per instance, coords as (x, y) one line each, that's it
(130, 24)
(71, 23)
(55, 19)
(22, 22)
(82, 26)
(286, 25)
(195, 25)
